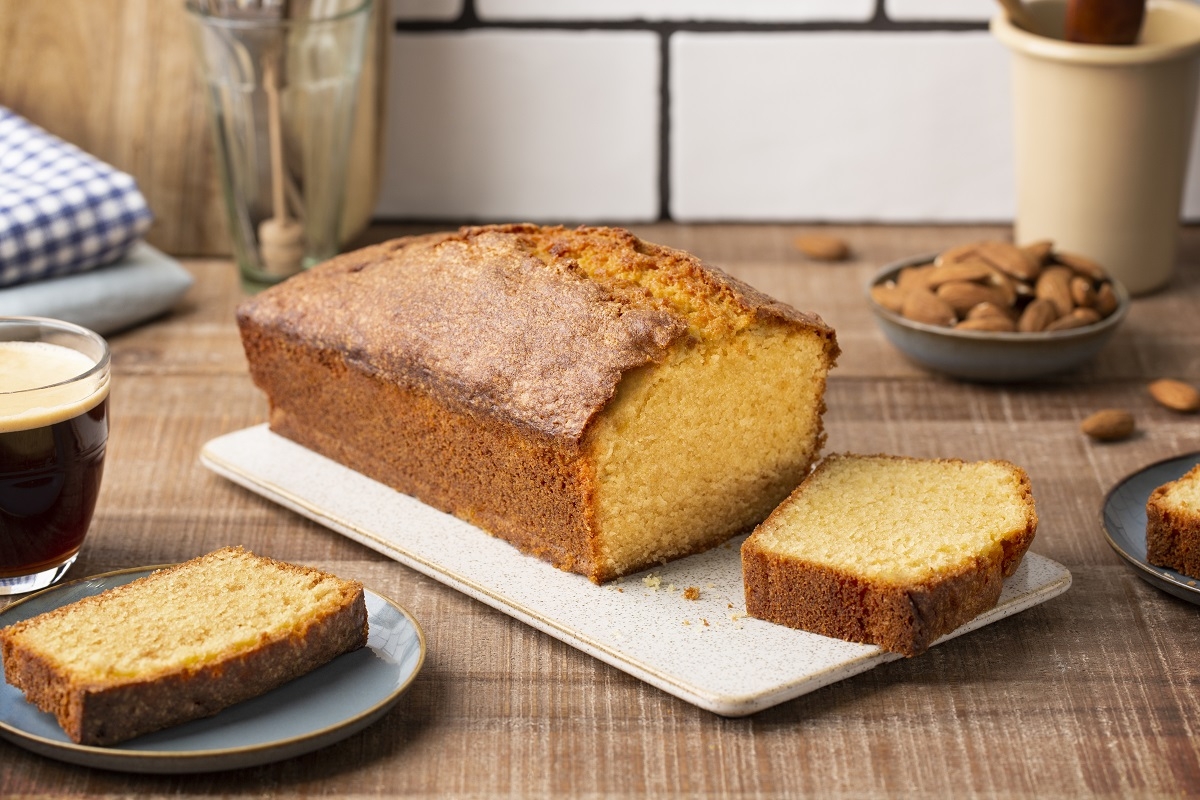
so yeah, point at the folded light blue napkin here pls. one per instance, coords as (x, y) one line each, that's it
(62, 211)
(141, 286)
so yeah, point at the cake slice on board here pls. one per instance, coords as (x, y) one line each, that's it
(888, 550)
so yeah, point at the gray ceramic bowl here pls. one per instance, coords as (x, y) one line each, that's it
(992, 357)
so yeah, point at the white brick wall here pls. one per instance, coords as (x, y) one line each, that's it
(789, 110)
(426, 9)
(839, 126)
(941, 10)
(729, 10)
(541, 125)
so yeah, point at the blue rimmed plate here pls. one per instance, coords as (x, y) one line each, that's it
(1124, 520)
(313, 711)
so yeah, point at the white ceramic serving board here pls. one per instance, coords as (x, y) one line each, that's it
(705, 651)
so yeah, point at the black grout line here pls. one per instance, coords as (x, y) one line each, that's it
(664, 127)
(468, 20)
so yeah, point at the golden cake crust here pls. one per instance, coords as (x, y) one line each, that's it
(107, 711)
(902, 617)
(467, 368)
(463, 317)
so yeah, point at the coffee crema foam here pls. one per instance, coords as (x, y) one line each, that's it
(32, 388)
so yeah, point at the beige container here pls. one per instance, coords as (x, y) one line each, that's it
(1102, 138)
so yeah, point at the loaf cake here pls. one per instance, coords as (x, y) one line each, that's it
(1173, 525)
(598, 401)
(181, 643)
(890, 551)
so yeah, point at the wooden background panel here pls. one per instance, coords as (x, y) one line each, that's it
(118, 79)
(115, 78)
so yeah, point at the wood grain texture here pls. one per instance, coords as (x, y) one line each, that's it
(1092, 693)
(117, 78)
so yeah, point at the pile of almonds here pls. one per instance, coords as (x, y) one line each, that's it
(998, 286)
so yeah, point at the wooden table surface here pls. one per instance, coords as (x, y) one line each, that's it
(1094, 692)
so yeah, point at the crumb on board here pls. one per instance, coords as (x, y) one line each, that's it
(691, 593)
(702, 619)
(652, 581)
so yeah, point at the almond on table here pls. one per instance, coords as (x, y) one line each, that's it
(822, 247)
(1109, 425)
(1175, 395)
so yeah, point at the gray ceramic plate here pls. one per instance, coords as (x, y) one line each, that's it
(1124, 521)
(318, 709)
(992, 357)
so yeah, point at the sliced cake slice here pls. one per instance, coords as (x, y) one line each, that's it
(181, 643)
(890, 551)
(1173, 525)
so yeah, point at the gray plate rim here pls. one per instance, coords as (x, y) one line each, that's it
(1128, 493)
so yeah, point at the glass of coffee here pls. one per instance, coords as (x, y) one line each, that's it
(54, 379)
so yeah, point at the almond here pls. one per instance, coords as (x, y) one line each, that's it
(973, 270)
(822, 247)
(1038, 252)
(1082, 265)
(963, 296)
(1076, 319)
(888, 295)
(1036, 316)
(922, 305)
(1054, 284)
(955, 254)
(1109, 425)
(912, 277)
(1106, 299)
(1175, 395)
(1082, 292)
(1009, 259)
(1005, 285)
(992, 324)
(990, 310)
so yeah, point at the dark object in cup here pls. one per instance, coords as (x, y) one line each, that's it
(1105, 22)
(54, 380)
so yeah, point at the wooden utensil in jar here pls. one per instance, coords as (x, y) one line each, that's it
(1113, 22)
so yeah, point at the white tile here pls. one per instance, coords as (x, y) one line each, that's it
(725, 10)
(940, 10)
(438, 10)
(515, 125)
(1191, 189)
(840, 126)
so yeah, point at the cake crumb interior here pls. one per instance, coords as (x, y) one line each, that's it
(897, 520)
(217, 608)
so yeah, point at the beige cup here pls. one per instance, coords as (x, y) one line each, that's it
(1102, 137)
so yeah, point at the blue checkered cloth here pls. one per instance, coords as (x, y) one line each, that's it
(62, 211)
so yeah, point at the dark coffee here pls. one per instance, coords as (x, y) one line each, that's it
(49, 481)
